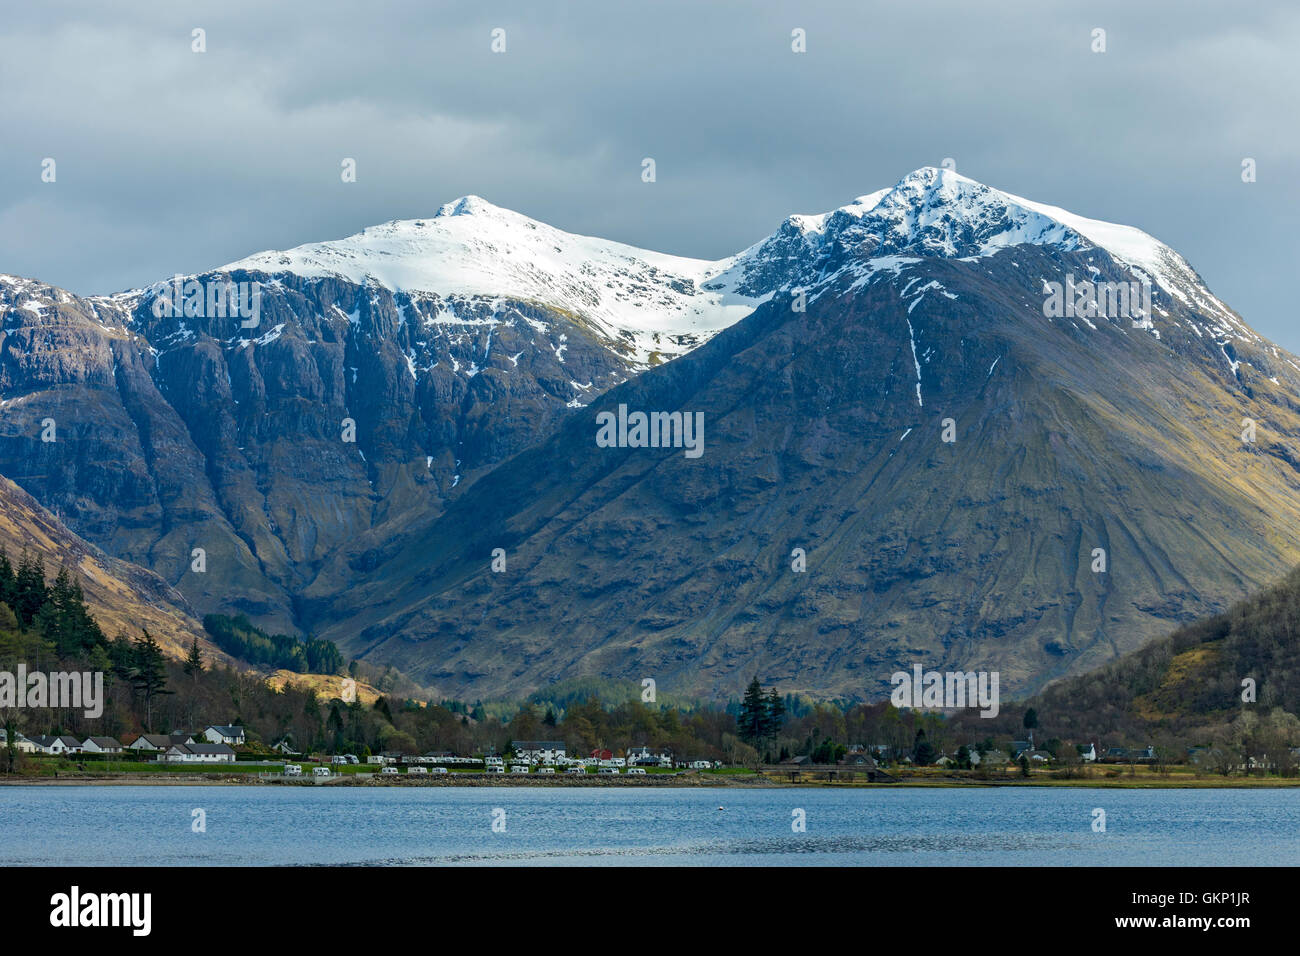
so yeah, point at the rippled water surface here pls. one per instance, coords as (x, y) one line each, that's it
(688, 826)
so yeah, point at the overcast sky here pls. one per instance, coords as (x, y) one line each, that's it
(173, 161)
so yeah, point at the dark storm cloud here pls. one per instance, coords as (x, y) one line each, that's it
(174, 161)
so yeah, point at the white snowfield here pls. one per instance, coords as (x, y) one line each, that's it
(668, 304)
(471, 248)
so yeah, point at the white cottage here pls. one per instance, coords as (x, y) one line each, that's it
(231, 736)
(199, 753)
(101, 745)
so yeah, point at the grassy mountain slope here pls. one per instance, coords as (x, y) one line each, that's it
(122, 597)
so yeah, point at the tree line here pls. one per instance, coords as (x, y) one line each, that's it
(240, 638)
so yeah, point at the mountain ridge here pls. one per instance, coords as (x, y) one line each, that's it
(923, 300)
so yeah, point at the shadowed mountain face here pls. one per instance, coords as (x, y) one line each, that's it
(1076, 438)
(178, 433)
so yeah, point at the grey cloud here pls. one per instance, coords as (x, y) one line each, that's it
(172, 161)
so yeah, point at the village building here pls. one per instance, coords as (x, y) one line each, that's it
(858, 758)
(101, 745)
(56, 745)
(21, 743)
(199, 753)
(644, 757)
(538, 751)
(228, 735)
(157, 743)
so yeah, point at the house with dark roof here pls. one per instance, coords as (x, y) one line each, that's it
(989, 758)
(157, 743)
(1134, 755)
(858, 758)
(538, 751)
(199, 753)
(101, 745)
(57, 745)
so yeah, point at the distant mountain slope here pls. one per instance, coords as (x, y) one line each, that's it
(823, 432)
(122, 597)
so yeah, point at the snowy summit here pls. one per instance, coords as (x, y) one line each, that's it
(473, 249)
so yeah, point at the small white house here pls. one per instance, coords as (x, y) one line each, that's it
(101, 745)
(57, 745)
(21, 743)
(1089, 755)
(229, 735)
(199, 753)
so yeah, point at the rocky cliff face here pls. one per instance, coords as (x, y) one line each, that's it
(472, 352)
(348, 410)
(175, 433)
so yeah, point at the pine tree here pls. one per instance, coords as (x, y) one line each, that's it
(752, 723)
(149, 674)
(775, 713)
(29, 589)
(923, 752)
(194, 661)
(8, 585)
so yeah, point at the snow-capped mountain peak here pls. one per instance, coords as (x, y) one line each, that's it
(934, 212)
(664, 305)
(471, 248)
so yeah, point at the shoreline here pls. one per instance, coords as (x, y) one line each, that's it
(665, 781)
